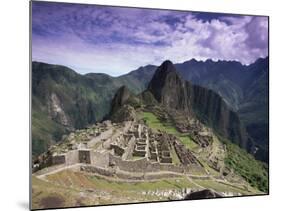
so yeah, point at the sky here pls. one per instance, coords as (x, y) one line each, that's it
(116, 40)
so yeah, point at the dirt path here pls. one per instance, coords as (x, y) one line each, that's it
(194, 183)
(54, 171)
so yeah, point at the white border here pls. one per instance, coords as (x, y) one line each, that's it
(14, 110)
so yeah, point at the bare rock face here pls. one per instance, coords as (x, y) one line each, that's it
(57, 112)
(169, 88)
(120, 110)
(214, 111)
(125, 113)
(121, 96)
(203, 194)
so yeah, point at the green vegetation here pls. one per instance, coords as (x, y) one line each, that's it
(175, 157)
(244, 164)
(84, 99)
(44, 131)
(136, 157)
(79, 180)
(222, 187)
(153, 122)
(164, 184)
(68, 185)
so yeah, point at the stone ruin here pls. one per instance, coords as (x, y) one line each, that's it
(195, 131)
(185, 127)
(185, 155)
(202, 140)
(126, 147)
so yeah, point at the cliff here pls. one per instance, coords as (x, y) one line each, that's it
(171, 91)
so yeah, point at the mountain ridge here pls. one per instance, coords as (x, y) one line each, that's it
(243, 87)
(106, 86)
(171, 91)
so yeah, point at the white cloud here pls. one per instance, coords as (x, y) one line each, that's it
(123, 39)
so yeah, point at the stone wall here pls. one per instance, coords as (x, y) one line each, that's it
(72, 157)
(171, 167)
(123, 175)
(99, 159)
(130, 166)
(98, 170)
(144, 166)
(129, 151)
(152, 167)
(58, 159)
(104, 135)
(160, 176)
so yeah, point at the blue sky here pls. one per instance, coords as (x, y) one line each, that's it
(115, 40)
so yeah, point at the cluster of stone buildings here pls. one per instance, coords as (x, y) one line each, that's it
(202, 139)
(128, 150)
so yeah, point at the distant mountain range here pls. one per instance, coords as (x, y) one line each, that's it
(63, 100)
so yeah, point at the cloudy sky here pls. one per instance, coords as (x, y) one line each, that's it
(113, 40)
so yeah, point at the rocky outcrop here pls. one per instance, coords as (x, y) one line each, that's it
(56, 111)
(121, 106)
(203, 194)
(121, 96)
(125, 113)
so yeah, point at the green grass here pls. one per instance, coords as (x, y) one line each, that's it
(219, 187)
(175, 157)
(155, 123)
(77, 180)
(164, 184)
(244, 164)
(136, 157)
(187, 141)
(69, 185)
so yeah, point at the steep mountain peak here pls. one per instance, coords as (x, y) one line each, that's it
(167, 66)
(168, 88)
(164, 71)
(121, 108)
